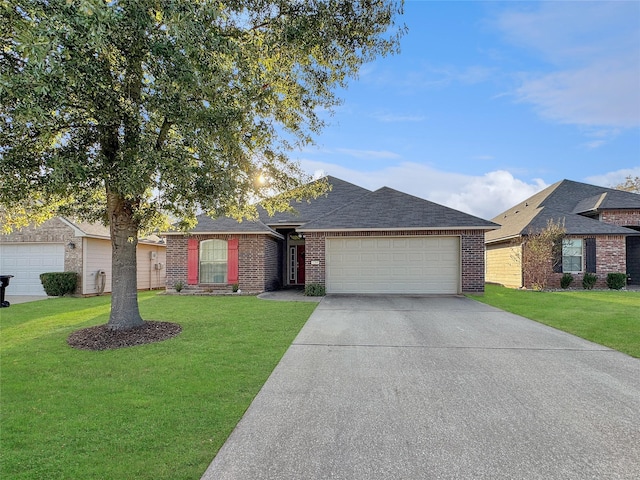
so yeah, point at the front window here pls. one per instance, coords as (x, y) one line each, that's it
(572, 255)
(213, 261)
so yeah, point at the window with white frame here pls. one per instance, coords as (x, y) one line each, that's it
(213, 261)
(572, 255)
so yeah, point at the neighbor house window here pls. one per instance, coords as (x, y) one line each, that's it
(572, 255)
(213, 261)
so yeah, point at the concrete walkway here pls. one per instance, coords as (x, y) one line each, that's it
(437, 388)
(15, 299)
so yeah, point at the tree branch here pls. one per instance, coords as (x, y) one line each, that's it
(162, 136)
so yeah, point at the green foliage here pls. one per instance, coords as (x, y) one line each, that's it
(179, 286)
(566, 280)
(235, 287)
(589, 280)
(608, 317)
(131, 112)
(157, 411)
(173, 106)
(616, 281)
(57, 284)
(314, 290)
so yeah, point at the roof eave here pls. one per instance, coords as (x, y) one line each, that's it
(169, 234)
(395, 229)
(504, 239)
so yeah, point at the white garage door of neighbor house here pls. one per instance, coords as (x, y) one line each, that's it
(393, 265)
(26, 262)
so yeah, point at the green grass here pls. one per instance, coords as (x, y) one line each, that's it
(157, 411)
(607, 317)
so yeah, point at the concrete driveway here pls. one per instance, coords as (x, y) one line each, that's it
(437, 388)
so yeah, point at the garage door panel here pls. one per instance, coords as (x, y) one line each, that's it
(26, 262)
(393, 265)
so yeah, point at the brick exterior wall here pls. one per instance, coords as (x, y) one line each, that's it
(257, 264)
(610, 250)
(610, 258)
(471, 243)
(622, 218)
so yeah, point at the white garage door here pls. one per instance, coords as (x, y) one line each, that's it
(393, 265)
(26, 262)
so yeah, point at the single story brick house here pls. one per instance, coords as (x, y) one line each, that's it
(63, 245)
(350, 240)
(602, 228)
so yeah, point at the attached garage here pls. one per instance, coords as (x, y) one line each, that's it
(59, 245)
(26, 262)
(417, 265)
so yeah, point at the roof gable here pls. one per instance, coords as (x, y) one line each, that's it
(341, 193)
(221, 225)
(389, 209)
(565, 201)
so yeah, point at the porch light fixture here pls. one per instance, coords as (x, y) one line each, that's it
(71, 245)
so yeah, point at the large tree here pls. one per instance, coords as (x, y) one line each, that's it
(126, 111)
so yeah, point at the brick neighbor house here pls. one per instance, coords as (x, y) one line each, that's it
(602, 227)
(64, 245)
(351, 240)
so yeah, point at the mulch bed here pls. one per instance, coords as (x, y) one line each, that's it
(101, 338)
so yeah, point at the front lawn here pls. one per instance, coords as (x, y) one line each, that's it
(609, 317)
(156, 411)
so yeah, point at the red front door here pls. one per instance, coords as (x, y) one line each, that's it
(300, 264)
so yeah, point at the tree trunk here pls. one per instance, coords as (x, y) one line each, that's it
(124, 282)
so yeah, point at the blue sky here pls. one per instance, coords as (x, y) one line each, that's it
(489, 102)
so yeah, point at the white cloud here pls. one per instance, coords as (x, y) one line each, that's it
(611, 179)
(600, 94)
(484, 196)
(595, 144)
(593, 50)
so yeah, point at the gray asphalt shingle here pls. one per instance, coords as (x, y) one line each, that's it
(387, 208)
(563, 202)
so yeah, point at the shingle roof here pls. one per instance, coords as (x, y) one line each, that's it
(389, 209)
(564, 201)
(219, 225)
(86, 229)
(341, 193)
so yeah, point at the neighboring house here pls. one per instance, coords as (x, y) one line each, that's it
(61, 245)
(602, 229)
(351, 240)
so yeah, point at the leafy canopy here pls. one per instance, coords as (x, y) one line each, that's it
(171, 106)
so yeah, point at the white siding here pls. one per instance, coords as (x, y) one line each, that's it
(97, 256)
(152, 272)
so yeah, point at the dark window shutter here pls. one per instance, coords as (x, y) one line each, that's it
(557, 257)
(590, 255)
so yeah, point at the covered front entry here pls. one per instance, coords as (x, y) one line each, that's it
(424, 265)
(296, 264)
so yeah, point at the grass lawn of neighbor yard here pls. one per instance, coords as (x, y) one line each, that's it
(607, 317)
(155, 411)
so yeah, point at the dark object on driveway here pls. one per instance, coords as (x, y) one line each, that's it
(4, 283)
